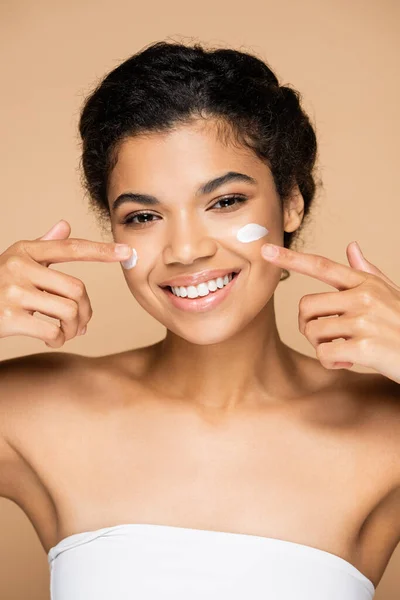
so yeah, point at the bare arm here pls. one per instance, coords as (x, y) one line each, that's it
(24, 380)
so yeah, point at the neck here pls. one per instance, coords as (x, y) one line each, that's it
(253, 367)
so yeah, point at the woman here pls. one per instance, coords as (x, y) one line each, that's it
(218, 462)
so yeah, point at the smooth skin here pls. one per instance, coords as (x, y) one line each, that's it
(218, 426)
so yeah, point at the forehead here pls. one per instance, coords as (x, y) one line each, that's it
(183, 157)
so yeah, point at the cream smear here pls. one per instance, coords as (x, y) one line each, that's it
(251, 232)
(130, 262)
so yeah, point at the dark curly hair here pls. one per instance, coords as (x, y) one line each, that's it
(169, 84)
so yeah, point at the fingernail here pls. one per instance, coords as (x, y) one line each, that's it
(82, 331)
(122, 250)
(269, 251)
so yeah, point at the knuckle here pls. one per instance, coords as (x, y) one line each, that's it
(365, 298)
(104, 249)
(22, 244)
(13, 263)
(6, 313)
(364, 344)
(18, 246)
(13, 292)
(362, 323)
(78, 289)
(75, 245)
(71, 310)
(322, 264)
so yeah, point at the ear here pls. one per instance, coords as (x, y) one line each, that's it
(293, 210)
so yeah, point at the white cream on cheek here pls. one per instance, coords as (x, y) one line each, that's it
(130, 262)
(251, 232)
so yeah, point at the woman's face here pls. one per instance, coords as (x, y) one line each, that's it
(184, 231)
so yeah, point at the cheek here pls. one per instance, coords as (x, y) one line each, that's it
(136, 269)
(143, 259)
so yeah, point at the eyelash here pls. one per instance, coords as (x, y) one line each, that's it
(129, 219)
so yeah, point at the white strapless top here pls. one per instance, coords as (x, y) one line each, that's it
(162, 562)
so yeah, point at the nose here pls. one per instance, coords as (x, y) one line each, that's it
(188, 240)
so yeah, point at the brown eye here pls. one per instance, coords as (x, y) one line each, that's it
(130, 218)
(232, 200)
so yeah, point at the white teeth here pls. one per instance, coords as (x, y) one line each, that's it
(192, 292)
(203, 289)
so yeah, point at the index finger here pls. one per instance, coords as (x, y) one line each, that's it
(335, 274)
(73, 249)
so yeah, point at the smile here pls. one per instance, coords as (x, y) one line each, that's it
(202, 289)
(202, 297)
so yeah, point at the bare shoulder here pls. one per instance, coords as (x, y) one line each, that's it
(379, 397)
(379, 400)
(31, 364)
(24, 379)
(26, 382)
(42, 389)
(382, 399)
(30, 385)
(387, 409)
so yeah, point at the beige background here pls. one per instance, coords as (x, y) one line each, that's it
(341, 55)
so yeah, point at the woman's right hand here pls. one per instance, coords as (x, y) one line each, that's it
(28, 286)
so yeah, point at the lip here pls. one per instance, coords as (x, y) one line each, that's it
(199, 277)
(201, 304)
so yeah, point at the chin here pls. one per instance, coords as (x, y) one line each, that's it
(206, 328)
(205, 333)
(205, 338)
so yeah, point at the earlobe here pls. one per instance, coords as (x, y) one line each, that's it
(294, 211)
(293, 220)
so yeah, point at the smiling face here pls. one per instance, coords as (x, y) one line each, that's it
(182, 230)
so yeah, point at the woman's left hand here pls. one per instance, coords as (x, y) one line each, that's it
(366, 310)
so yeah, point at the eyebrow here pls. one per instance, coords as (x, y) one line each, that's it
(206, 188)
